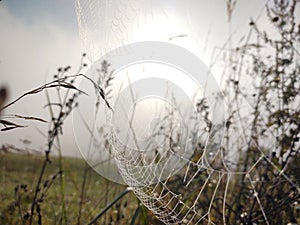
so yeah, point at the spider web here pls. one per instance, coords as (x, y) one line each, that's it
(200, 190)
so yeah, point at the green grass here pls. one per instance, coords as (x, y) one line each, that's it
(17, 169)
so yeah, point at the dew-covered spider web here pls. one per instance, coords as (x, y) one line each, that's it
(211, 159)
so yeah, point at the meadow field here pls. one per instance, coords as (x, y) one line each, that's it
(19, 174)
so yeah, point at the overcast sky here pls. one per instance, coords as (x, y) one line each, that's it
(36, 38)
(39, 36)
